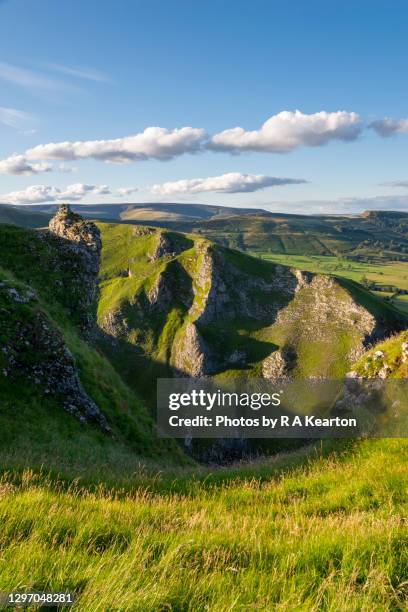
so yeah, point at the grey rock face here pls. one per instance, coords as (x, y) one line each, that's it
(36, 351)
(165, 247)
(192, 357)
(78, 243)
(277, 365)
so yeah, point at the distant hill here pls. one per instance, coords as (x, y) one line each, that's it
(22, 216)
(371, 236)
(148, 212)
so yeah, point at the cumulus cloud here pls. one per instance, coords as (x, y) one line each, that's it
(232, 182)
(19, 165)
(36, 194)
(153, 142)
(281, 133)
(388, 127)
(126, 191)
(288, 130)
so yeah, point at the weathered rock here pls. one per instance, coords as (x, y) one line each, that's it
(165, 247)
(191, 356)
(160, 294)
(278, 365)
(35, 351)
(78, 243)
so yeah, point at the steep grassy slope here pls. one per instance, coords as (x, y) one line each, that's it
(325, 536)
(42, 300)
(388, 359)
(172, 303)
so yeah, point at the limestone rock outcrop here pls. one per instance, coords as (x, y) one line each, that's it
(79, 246)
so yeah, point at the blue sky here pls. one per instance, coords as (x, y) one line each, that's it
(102, 70)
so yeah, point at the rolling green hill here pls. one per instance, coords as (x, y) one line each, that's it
(172, 303)
(91, 501)
(166, 304)
(374, 236)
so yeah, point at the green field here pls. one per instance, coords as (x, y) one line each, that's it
(315, 530)
(392, 273)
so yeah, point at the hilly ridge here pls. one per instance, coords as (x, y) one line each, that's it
(371, 236)
(179, 304)
(131, 522)
(92, 315)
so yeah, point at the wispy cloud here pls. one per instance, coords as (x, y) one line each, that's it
(395, 184)
(126, 191)
(232, 182)
(352, 205)
(36, 194)
(89, 74)
(14, 118)
(27, 78)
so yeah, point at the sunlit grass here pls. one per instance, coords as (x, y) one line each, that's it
(326, 535)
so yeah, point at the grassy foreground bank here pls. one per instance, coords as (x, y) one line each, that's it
(316, 530)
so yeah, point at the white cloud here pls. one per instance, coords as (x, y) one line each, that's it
(232, 182)
(126, 191)
(13, 118)
(288, 130)
(18, 164)
(46, 193)
(388, 127)
(281, 133)
(154, 142)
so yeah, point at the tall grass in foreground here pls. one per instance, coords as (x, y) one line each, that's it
(331, 535)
